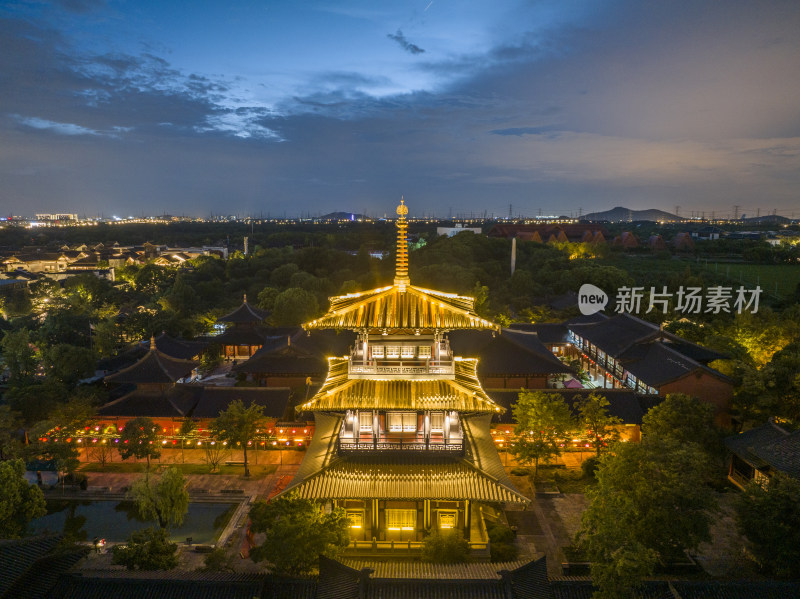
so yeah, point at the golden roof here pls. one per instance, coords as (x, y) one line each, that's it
(463, 394)
(401, 307)
(480, 476)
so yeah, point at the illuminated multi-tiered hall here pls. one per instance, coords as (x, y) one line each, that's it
(402, 438)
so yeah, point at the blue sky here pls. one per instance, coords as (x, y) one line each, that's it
(249, 107)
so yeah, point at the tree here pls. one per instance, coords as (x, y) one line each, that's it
(20, 502)
(685, 420)
(148, 549)
(543, 421)
(65, 422)
(213, 454)
(601, 427)
(68, 363)
(165, 500)
(649, 506)
(10, 428)
(294, 306)
(297, 532)
(139, 439)
(769, 516)
(237, 425)
(445, 547)
(19, 355)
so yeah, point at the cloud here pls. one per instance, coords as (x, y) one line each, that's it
(404, 43)
(67, 128)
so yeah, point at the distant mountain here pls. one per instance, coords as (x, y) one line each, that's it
(342, 216)
(620, 214)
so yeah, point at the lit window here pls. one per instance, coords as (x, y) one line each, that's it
(448, 519)
(377, 351)
(402, 422)
(401, 519)
(392, 351)
(437, 422)
(365, 422)
(424, 351)
(356, 519)
(407, 351)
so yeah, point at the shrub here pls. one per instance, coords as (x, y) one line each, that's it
(589, 466)
(519, 471)
(445, 548)
(502, 546)
(217, 560)
(147, 549)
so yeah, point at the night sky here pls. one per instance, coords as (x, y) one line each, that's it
(247, 107)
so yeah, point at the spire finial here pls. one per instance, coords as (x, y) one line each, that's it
(401, 267)
(244, 298)
(152, 343)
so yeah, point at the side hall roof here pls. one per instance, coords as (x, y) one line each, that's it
(463, 394)
(245, 314)
(154, 367)
(401, 308)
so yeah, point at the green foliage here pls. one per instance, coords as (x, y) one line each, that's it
(68, 363)
(649, 506)
(165, 500)
(294, 306)
(266, 298)
(148, 549)
(19, 355)
(502, 548)
(10, 427)
(20, 502)
(589, 466)
(139, 439)
(543, 421)
(600, 427)
(685, 420)
(297, 531)
(218, 561)
(237, 425)
(769, 517)
(448, 547)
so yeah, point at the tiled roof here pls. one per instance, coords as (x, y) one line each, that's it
(549, 332)
(17, 556)
(246, 313)
(154, 367)
(284, 359)
(241, 335)
(625, 404)
(511, 352)
(401, 308)
(656, 364)
(768, 445)
(197, 401)
(463, 394)
(323, 474)
(616, 334)
(182, 349)
(425, 571)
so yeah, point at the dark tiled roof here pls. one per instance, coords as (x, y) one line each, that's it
(530, 581)
(625, 404)
(550, 333)
(43, 574)
(616, 334)
(197, 401)
(438, 589)
(768, 445)
(511, 352)
(246, 313)
(282, 358)
(17, 556)
(154, 367)
(656, 364)
(182, 349)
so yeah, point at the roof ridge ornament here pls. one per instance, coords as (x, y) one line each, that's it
(401, 278)
(152, 343)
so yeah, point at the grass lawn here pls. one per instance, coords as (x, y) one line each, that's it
(770, 277)
(567, 481)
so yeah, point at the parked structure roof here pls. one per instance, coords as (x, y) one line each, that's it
(154, 367)
(245, 314)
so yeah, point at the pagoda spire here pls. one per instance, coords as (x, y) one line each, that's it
(401, 267)
(153, 343)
